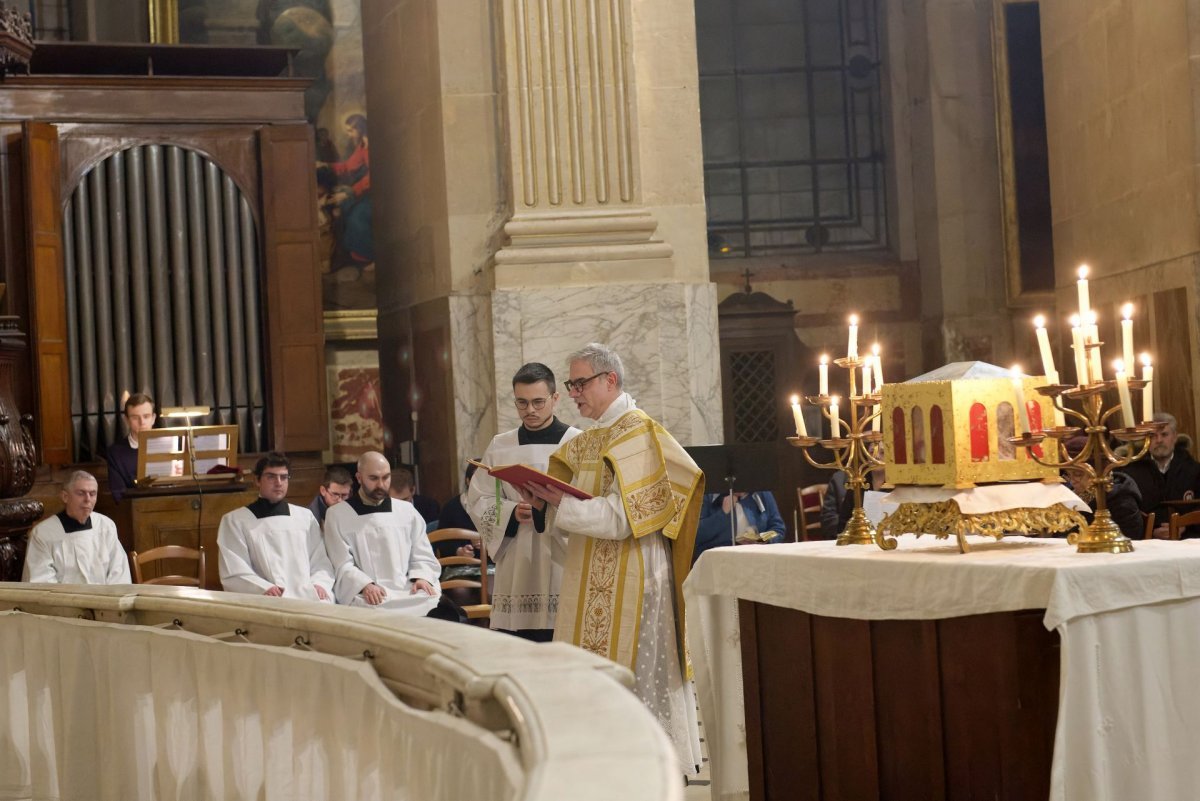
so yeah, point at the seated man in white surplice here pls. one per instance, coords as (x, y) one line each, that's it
(272, 547)
(379, 547)
(77, 545)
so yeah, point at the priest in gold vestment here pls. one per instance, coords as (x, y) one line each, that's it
(629, 547)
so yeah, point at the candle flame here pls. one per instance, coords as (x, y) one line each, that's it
(854, 319)
(795, 400)
(1039, 321)
(1145, 360)
(1092, 317)
(1083, 272)
(833, 400)
(1118, 365)
(824, 359)
(1074, 320)
(1016, 371)
(875, 349)
(1127, 311)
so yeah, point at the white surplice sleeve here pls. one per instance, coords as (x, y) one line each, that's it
(349, 580)
(491, 519)
(39, 560)
(237, 571)
(117, 569)
(602, 518)
(422, 563)
(320, 568)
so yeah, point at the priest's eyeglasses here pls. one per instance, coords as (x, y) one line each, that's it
(577, 384)
(536, 403)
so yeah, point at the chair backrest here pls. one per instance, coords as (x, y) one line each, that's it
(811, 498)
(169, 552)
(483, 609)
(1147, 525)
(1179, 522)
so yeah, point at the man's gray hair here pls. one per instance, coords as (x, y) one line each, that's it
(1169, 419)
(76, 477)
(602, 358)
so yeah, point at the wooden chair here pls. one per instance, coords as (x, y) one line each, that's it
(475, 611)
(169, 552)
(1179, 522)
(811, 498)
(1148, 530)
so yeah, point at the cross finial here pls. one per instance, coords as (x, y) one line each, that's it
(747, 275)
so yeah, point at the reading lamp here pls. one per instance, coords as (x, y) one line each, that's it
(187, 414)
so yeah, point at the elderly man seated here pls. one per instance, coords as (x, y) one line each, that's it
(1167, 473)
(77, 545)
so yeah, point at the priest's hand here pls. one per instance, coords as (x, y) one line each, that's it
(551, 495)
(421, 585)
(322, 593)
(274, 592)
(524, 512)
(373, 594)
(528, 499)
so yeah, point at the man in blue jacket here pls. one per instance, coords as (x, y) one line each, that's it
(756, 510)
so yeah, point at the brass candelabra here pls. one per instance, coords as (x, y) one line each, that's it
(850, 443)
(1097, 459)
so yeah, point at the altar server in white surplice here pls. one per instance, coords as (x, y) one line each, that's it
(379, 547)
(528, 564)
(272, 547)
(77, 545)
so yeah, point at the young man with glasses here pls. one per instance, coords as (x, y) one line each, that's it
(528, 564)
(629, 547)
(272, 547)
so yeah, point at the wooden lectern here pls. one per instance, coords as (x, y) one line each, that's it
(176, 501)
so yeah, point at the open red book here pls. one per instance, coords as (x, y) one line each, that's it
(521, 474)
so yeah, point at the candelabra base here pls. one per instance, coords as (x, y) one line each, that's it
(1102, 536)
(859, 531)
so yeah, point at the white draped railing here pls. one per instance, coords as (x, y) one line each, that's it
(131, 693)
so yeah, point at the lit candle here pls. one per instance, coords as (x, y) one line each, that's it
(835, 422)
(878, 366)
(1123, 393)
(1019, 390)
(1127, 335)
(823, 372)
(1081, 371)
(852, 343)
(866, 375)
(798, 416)
(1082, 285)
(1148, 390)
(1039, 324)
(1092, 335)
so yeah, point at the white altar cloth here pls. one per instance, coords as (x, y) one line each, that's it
(1129, 625)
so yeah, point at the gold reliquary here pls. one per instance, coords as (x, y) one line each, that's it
(951, 427)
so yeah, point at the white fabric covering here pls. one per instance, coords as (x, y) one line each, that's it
(990, 497)
(528, 565)
(1129, 626)
(91, 556)
(285, 551)
(389, 548)
(102, 712)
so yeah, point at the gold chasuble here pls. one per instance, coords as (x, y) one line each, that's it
(661, 489)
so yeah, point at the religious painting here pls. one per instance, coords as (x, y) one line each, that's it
(356, 424)
(327, 37)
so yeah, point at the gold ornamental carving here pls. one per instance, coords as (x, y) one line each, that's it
(944, 519)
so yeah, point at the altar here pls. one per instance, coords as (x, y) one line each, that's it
(1021, 670)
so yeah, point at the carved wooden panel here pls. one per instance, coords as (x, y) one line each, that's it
(295, 333)
(49, 323)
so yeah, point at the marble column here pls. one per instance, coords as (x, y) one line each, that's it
(537, 175)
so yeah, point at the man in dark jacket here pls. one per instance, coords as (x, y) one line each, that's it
(1122, 500)
(1167, 473)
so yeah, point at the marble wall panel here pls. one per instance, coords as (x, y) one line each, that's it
(666, 335)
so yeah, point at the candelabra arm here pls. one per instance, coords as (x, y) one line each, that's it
(1109, 413)
(834, 465)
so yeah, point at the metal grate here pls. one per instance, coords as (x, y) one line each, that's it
(792, 120)
(755, 417)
